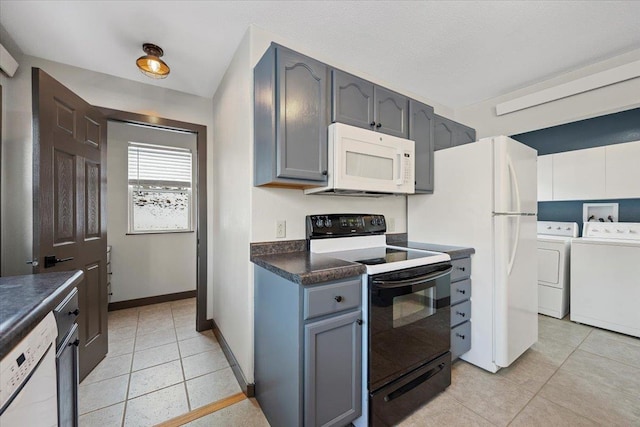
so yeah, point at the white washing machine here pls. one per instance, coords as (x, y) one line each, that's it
(605, 277)
(554, 252)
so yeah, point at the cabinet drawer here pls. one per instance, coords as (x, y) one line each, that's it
(66, 314)
(461, 269)
(460, 291)
(460, 340)
(332, 298)
(460, 313)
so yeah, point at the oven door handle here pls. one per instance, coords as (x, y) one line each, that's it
(390, 284)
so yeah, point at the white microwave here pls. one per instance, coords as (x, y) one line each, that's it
(367, 163)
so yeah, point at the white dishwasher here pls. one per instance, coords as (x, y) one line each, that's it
(605, 276)
(28, 392)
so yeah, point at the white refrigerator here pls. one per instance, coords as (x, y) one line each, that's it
(485, 197)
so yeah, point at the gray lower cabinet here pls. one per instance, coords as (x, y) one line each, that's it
(421, 125)
(308, 350)
(448, 133)
(460, 307)
(332, 370)
(291, 92)
(360, 103)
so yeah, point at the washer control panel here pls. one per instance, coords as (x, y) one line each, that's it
(612, 230)
(16, 366)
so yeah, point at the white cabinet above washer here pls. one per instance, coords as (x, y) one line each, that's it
(608, 172)
(623, 171)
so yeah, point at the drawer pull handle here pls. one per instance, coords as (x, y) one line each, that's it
(76, 343)
(378, 125)
(460, 268)
(462, 291)
(459, 313)
(459, 335)
(338, 298)
(74, 312)
(359, 322)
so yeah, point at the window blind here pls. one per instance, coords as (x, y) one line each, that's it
(159, 166)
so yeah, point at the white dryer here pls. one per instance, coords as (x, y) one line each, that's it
(605, 276)
(554, 252)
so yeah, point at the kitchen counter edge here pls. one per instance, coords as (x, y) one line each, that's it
(292, 261)
(51, 288)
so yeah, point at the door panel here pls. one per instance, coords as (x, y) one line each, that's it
(69, 202)
(391, 112)
(302, 94)
(352, 100)
(421, 132)
(443, 133)
(516, 286)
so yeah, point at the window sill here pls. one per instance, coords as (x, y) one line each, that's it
(144, 233)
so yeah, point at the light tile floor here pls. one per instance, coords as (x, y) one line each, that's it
(575, 375)
(158, 367)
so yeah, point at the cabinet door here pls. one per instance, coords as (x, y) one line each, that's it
(301, 117)
(463, 135)
(579, 175)
(421, 121)
(352, 101)
(545, 178)
(332, 371)
(67, 376)
(391, 112)
(443, 132)
(622, 171)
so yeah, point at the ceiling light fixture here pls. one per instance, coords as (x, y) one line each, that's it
(150, 64)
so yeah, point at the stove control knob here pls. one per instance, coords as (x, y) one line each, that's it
(327, 222)
(373, 221)
(319, 223)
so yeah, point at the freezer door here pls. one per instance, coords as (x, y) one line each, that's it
(516, 177)
(516, 287)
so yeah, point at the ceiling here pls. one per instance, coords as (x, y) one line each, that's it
(456, 53)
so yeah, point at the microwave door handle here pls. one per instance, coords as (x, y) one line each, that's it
(399, 169)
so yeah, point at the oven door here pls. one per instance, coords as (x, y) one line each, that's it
(409, 320)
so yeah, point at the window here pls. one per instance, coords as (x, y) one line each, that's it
(160, 190)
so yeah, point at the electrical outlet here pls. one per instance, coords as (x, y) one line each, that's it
(391, 224)
(281, 228)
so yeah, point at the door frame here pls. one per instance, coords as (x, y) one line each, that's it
(200, 131)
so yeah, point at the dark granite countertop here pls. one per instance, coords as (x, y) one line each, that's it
(455, 252)
(26, 300)
(306, 268)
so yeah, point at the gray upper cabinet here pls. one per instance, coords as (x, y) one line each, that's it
(448, 133)
(360, 103)
(290, 118)
(352, 100)
(464, 135)
(421, 130)
(391, 112)
(443, 132)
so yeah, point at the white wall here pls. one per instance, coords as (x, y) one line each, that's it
(230, 219)
(145, 265)
(98, 89)
(605, 100)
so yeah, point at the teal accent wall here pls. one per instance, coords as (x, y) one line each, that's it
(610, 129)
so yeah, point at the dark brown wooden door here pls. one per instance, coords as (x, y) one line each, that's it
(69, 179)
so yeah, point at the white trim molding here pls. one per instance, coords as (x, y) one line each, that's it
(584, 84)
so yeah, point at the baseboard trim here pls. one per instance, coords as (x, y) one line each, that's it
(249, 389)
(139, 302)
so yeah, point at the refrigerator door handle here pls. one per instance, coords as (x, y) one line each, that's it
(514, 179)
(514, 251)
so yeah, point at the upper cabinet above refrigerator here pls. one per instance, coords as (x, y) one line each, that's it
(448, 133)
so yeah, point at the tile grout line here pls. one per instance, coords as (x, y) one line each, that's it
(549, 379)
(133, 355)
(184, 377)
